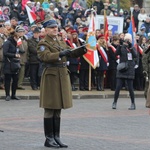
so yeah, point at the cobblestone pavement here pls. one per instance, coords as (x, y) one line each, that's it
(90, 125)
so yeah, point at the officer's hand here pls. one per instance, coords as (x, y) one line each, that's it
(64, 53)
(145, 74)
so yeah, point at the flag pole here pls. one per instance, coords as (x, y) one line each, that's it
(89, 77)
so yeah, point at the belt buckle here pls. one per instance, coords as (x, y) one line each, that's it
(64, 64)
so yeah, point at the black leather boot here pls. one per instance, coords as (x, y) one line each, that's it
(132, 107)
(48, 130)
(57, 133)
(98, 83)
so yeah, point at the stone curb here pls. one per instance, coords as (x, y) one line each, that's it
(79, 96)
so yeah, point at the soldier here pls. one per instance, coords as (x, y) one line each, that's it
(2, 39)
(23, 47)
(146, 72)
(33, 59)
(55, 90)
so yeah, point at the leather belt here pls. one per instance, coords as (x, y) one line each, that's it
(64, 64)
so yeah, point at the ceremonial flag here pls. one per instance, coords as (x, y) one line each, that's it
(31, 15)
(0, 10)
(132, 31)
(92, 55)
(106, 32)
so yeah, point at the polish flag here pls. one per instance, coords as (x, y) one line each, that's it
(140, 50)
(0, 10)
(31, 15)
(19, 42)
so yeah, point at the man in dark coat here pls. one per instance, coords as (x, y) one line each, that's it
(33, 59)
(55, 90)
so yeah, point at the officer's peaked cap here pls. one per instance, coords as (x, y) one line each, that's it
(36, 30)
(50, 24)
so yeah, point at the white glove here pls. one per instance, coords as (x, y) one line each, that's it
(136, 66)
(107, 64)
(118, 61)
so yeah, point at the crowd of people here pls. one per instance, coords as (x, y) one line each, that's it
(73, 21)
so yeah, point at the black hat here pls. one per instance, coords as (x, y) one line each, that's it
(36, 30)
(50, 24)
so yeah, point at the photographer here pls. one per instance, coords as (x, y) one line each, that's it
(127, 55)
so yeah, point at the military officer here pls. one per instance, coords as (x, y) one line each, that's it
(55, 89)
(23, 47)
(146, 72)
(2, 39)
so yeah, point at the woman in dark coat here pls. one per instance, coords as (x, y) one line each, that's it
(127, 54)
(10, 53)
(103, 62)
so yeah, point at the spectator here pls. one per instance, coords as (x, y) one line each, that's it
(106, 9)
(45, 5)
(11, 55)
(136, 12)
(6, 13)
(14, 22)
(64, 3)
(60, 8)
(141, 18)
(33, 59)
(99, 6)
(15, 9)
(23, 47)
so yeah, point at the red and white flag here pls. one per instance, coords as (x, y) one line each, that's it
(92, 55)
(140, 50)
(31, 15)
(23, 3)
(19, 42)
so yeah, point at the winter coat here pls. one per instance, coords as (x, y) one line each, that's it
(55, 89)
(32, 51)
(9, 54)
(112, 58)
(123, 51)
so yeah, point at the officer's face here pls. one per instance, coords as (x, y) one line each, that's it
(53, 31)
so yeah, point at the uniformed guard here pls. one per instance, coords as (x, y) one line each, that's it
(23, 48)
(55, 89)
(2, 39)
(146, 73)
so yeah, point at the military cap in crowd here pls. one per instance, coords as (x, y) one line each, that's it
(50, 24)
(36, 30)
(19, 29)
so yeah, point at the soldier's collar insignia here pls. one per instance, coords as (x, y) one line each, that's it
(42, 48)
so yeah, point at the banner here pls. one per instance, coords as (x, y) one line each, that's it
(92, 55)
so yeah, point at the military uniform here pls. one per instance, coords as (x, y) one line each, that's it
(55, 81)
(146, 69)
(55, 89)
(23, 48)
(2, 39)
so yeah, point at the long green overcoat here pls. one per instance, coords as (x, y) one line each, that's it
(55, 87)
